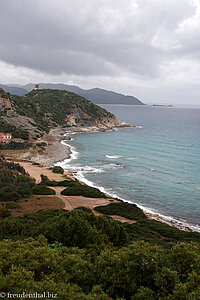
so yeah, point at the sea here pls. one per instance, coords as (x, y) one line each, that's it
(156, 166)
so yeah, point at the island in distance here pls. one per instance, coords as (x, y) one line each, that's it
(95, 95)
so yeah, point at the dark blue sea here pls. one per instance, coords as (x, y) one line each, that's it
(156, 166)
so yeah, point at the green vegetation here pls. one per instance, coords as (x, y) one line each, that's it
(16, 132)
(41, 189)
(159, 233)
(58, 170)
(74, 188)
(78, 255)
(123, 209)
(83, 190)
(12, 205)
(14, 182)
(49, 108)
(82, 256)
(45, 180)
(15, 146)
(4, 213)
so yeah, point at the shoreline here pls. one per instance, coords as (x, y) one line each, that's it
(180, 224)
(57, 152)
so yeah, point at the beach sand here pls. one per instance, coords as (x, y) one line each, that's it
(39, 202)
(56, 151)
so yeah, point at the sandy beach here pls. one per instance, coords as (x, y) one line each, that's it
(69, 202)
(37, 163)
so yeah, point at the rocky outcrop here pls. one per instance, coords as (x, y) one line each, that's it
(77, 115)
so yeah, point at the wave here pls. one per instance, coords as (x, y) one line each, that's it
(85, 169)
(73, 155)
(80, 171)
(181, 224)
(113, 156)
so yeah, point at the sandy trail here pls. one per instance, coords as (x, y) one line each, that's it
(66, 200)
(70, 202)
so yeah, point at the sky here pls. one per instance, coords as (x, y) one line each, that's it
(149, 49)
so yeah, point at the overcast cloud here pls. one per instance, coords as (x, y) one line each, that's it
(147, 48)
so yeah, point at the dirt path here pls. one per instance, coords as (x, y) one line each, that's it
(70, 202)
(65, 199)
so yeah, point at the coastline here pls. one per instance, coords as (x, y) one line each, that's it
(56, 152)
(180, 224)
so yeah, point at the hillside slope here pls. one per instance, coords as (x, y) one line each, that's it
(95, 95)
(48, 109)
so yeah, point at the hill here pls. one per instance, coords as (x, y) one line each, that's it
(46, 109)
(15, 90)
(95, 95)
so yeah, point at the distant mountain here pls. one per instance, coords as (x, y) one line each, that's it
(14, 90)
(96, 95)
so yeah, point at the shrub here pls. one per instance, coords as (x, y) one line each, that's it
(12, 205)
(58, 169)
(4, 212)
(41, 189)
(11, 196)
(64, 183)
(84, 209)
(15, 146)
(123, 209)
(24, 178)
(9, 193)
(83, 190)
(44, 179)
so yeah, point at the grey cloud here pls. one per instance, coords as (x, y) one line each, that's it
(148, 46)
(87, 37)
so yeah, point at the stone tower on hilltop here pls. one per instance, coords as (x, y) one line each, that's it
(37, 86)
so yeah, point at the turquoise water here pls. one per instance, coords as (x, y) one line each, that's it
(156, 166)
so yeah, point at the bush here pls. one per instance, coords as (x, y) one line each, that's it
(58, 169)
(4, 212)
(9, 193)
(41, 189)
(84, 209)
(12, 205)
(44, 179)
(83, 190)
(123, 209)
(15, 146)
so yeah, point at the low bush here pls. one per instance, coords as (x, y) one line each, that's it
(9, 193)
(41, 189)
(58, 169)
(123, 209)
(4, 213)
(45, 180)
(15, 146)
(158, 232)
(12, 205)
(84, 209)
(83, 190)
